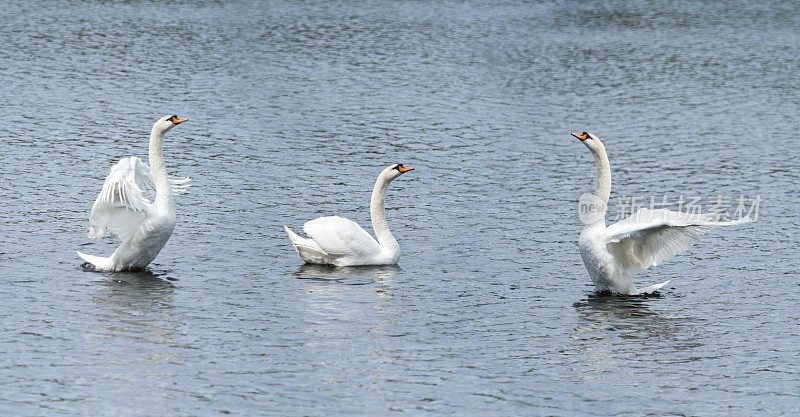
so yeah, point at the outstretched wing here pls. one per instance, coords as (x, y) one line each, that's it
(180, 185)
(338, 236)
(650, 237)
(124, 201)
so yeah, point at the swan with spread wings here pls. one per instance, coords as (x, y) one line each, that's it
(136, 205)
(646, 238)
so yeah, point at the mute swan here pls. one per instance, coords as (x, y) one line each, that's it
(645, 239)
(126, 209)
(341, 242)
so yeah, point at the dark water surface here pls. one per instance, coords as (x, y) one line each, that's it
(295, 108)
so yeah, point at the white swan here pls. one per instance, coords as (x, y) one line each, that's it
(126, 209)
(645, 239)
(341, 242)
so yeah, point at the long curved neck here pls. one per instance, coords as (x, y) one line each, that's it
(603, 187)
(159, 171)
(377, 211)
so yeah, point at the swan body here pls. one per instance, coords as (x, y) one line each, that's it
(126, 208)
(337, 241)
(646, 238)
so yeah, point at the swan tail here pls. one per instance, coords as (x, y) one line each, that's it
(309, 251)
(98, 262)
(651, 289)
(294, 237)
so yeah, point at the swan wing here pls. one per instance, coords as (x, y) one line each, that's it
(339, 237)
(124, 201)
(180, 185)
(144, 179)
(650, 237)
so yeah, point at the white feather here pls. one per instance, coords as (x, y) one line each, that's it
(647, 238)
(650, 237)
(180, 185)
(341, 237)
(338, 241)
(135, 207)
(123, 201)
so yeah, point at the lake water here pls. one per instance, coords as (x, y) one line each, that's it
(294, 109)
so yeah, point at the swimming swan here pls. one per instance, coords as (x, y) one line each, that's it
(341, 242)
(646, 238)
(126, 209)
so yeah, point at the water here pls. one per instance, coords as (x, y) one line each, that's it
(294, 108)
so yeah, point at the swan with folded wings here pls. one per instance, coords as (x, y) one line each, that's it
(338, 241)
(646, 238)
(127, 208)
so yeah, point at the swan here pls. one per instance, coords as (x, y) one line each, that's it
(646, 238)
(341, 242)
(126, 209)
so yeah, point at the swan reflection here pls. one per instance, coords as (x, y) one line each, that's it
(142, 291)
(135, 307)
(605, 306)
(615, 329)
(334, 301)
(351, 275)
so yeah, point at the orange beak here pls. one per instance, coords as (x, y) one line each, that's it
(178, 121)
(582, 136)
(405, 169)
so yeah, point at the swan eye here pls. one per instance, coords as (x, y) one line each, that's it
(582, 137)
(398, 166)
(172, 119)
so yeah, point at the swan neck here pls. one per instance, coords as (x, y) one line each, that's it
(159, 171)
(377, 211)
(603, 186)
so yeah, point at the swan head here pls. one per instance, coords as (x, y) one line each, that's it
(395, 170)
(590, 140)
(164, 124)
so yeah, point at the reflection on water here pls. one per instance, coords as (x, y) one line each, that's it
(614, 330)
(135, 307)
(600, 306)
(630, 316)
(136, 334)
(603, 316)
(351, 275)
(143, 291)
(327, 302)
